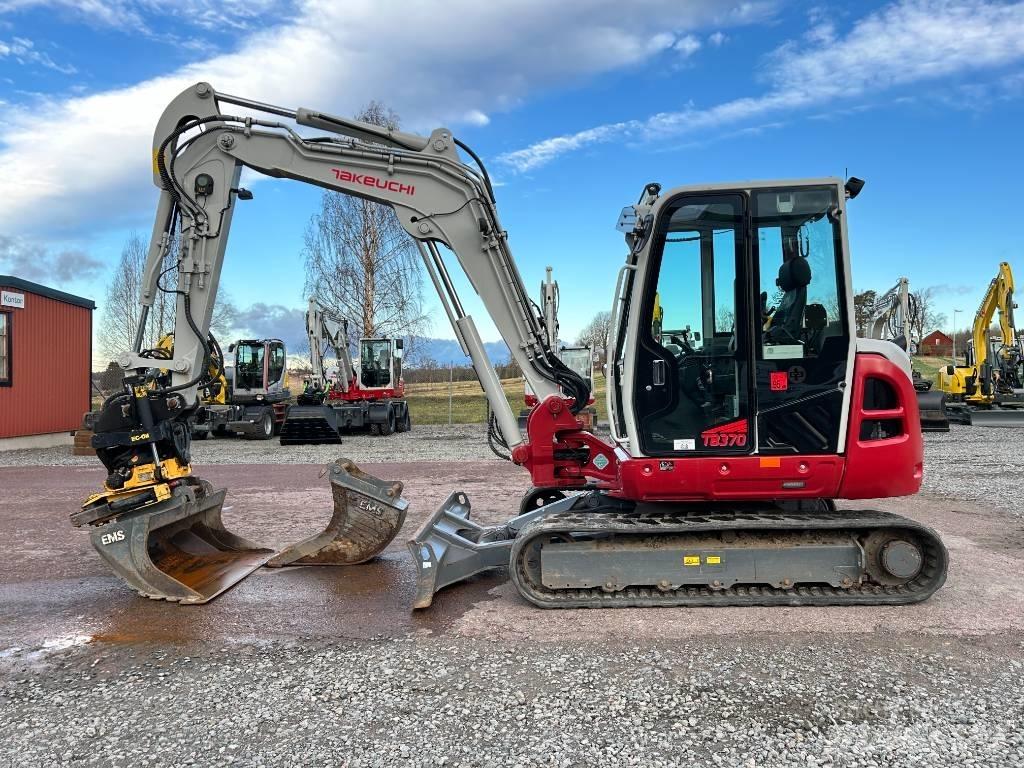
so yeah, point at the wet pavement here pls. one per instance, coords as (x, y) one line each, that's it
(55, 587)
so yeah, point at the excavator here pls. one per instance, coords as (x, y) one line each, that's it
(368, 396)
(726, 453)
(579, 358)
(988, 390)
(890, 318)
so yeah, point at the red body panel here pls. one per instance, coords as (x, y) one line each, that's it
(355, 394)
(876, 468)
(51, 358)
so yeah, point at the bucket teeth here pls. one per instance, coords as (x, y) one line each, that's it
(178, 549)
(368, 513)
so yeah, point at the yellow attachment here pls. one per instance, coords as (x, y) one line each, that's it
(144, 475)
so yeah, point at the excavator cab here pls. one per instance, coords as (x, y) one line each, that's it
(380, 364)
(711, 373)
(260, 368)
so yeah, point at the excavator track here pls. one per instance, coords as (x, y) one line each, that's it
(644, 558)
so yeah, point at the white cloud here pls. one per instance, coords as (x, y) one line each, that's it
(93, 169)
(145, 15)
(717, 38)
(907, 42)
(476, 117)
(24, 51)
(687, 45)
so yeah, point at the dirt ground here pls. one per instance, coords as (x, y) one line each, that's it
(351, 677)
(55, 586)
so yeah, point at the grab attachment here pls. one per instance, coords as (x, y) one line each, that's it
(368, 513)
(174, 549)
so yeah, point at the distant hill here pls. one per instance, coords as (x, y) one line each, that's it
(446, 352)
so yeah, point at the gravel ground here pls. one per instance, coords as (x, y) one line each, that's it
(459, 442)
(969, 463)
(419, 703)
(980, 464)
(484, 679)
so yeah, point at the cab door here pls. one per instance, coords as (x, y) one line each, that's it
(693, 362)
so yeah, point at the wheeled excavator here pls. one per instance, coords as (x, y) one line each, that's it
(890, 319)
(988, 390)
(370, 395)
(726, 453)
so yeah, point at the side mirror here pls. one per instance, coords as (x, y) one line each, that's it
(399, 344)
(853, 187)
(231, 347)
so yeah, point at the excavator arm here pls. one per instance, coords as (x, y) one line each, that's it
(998, 298)
(198, 153)
(324, 327)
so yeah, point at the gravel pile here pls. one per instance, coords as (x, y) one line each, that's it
(979, 464)
(475, 703)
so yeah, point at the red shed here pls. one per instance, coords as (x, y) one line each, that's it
(45, 359)
(936, 344)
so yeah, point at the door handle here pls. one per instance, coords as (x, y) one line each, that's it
(658, 373)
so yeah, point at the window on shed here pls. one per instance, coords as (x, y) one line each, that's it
(5, 348)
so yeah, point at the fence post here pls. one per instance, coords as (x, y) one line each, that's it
(451, 369)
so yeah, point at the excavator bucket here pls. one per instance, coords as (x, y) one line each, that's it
(368, 513)
(310, 425)
(175, 549)
(996, 417)
(932, 406)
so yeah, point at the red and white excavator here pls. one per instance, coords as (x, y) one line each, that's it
(368, 396)
(741, 403)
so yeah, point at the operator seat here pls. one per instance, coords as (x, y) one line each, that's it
(787, 322)
(815, 322)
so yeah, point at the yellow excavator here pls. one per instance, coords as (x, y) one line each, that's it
(987, 390)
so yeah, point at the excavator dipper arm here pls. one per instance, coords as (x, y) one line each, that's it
(199, 152)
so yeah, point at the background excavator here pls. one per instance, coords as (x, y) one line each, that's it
(726, 453)
(580, 357)
(251, 399)
(368, 395)
(988, 390)
(890, 319)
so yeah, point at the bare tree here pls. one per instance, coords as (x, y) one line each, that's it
(924, 317)
(122, 309)
(361, 263)
(595, 334)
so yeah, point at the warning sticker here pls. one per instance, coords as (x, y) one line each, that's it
(600, 461)
(713, 560)
(688, 444)
(691, 560)
(778, 381)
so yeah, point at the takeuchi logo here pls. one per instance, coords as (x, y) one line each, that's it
(367, 180)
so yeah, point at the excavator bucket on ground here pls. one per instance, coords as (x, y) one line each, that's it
(175, 548)
(310, 425)
(932, 407)
(993, 417)
(368, 513)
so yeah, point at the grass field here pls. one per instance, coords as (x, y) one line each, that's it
(429, 403)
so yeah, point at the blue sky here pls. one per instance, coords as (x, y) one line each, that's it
(573, 106)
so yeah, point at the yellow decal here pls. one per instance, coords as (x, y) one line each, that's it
(141, 436)
(713, 560)
(773, 462)
(691, 560)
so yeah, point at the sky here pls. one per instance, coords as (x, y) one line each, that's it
(573, 106)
